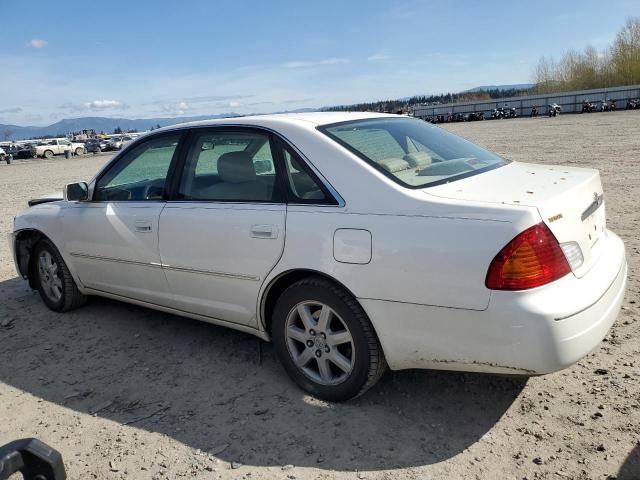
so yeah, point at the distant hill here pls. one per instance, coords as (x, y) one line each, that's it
(99, 124)
(515, 86)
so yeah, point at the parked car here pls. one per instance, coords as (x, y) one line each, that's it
(57, 146)
(116, 143)
(24, 151)
(96, 145)
(371, 240)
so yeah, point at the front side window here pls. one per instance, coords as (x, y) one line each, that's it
(414, 153)
(140, 174)
(229, 166)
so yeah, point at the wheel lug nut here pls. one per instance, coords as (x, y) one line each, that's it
(323, 335)
(318, 353)
(326, 349)
(312, 332)
(309, 343)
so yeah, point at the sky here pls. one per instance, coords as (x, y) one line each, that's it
(195, 57)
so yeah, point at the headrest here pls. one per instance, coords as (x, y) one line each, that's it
(393, 165)
(236, 167)
(418, 159)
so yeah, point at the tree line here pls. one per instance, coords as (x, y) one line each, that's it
(617, 65)
(404, 104)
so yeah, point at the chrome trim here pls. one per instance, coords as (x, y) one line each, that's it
(164, 266)
(115, 260)
(240, 276)
(598, 200)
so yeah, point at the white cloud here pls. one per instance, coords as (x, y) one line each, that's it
(37, 43)
(306, 64)
(179, 108)
(103, 104)
(378, 57)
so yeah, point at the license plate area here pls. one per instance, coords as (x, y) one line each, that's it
(594, 226)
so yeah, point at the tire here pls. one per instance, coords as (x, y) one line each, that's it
(48, 154)
(79, 151)
(351, 366)
(53, 279)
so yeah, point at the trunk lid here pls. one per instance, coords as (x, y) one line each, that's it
(569, 200)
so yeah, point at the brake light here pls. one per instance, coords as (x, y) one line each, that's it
(531, 259)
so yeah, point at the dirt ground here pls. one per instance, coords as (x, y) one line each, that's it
(126, 392)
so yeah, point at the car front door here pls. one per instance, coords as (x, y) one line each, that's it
(112, 240)
(223, 230)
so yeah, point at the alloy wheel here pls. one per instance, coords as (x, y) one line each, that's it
(320, 343)
(50, 279)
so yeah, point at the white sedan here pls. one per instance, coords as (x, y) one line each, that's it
(353, 241)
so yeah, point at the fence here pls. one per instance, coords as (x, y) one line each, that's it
(569, 101)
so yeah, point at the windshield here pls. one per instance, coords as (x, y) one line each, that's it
(414, 153)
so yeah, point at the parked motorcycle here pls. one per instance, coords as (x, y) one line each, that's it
(509, 112)
(553, 109)
(474, 116)
(612, 105)
(4, 156)
(534, 112)
(633, 104)
(588, 107)
(497, 113)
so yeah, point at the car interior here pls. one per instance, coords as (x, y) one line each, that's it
(219, 167)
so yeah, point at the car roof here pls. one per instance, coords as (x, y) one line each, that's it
(302, 119)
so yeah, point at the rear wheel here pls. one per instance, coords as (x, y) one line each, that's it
(54, 281)
(48, 154)
(79, 151)
(325, 340)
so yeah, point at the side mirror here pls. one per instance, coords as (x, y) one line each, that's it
(76, 192)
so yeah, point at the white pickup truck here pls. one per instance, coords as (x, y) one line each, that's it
(57, 146)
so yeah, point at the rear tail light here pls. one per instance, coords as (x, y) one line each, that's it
(531, 259)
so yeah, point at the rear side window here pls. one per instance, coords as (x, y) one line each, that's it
(235, 166)
(301, 185)
(412, 152)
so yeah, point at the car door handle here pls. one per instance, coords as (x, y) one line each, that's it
(264, 231)
(142, 226)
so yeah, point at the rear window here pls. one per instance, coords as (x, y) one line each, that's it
(412, 152)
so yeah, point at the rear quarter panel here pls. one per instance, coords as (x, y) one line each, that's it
(428, 260)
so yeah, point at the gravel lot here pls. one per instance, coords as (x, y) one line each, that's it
(126, 392)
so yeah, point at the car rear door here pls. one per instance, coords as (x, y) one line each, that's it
(113, 239)
(223, 230)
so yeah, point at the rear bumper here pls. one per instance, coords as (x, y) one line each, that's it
(530, 332)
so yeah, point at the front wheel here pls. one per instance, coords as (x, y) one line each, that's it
(53, 279)
(79, 151)
(325, 340)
